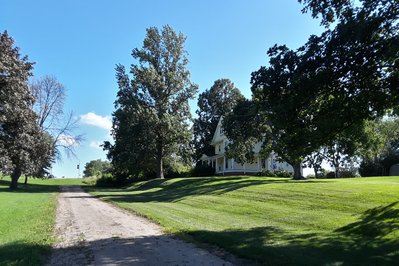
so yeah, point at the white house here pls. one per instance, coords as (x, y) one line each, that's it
(224, 166)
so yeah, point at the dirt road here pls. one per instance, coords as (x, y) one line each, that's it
(92, 232)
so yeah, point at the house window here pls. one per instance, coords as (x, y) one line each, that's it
(221, 131)
(264, 164)
(227, 164)
(225, 145)
(219, 147)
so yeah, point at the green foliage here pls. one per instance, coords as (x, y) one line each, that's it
(175, 168)
(213, 103)
(24, 147)
(266, 172)
(378, 146)
(96, 168)
(276, 221)
(277, 173)
(334, 82)
(108, 180)
(245, 128)
(151, 121)
(201, 169)
(379, 166)
(91, 181)
(27, 220)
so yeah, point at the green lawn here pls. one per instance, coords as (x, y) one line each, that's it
(276, 221)
(27, 220)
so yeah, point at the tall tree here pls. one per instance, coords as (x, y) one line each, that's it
(152, 107)
(334, 82)
(22, 142)
(50, 95)
(213, 103)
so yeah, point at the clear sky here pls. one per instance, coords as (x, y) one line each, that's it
(80, 41)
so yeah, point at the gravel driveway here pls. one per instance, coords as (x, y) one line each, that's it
(92, 232)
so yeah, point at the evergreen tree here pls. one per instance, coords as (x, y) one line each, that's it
(24, 146)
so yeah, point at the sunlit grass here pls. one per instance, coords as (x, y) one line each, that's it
(27, 218)
(276, 221)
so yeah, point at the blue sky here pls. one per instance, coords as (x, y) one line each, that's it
(80, 42)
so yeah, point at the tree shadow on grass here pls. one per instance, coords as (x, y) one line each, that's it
(30, 188)
(164, 191)
(348, 245)
(21, 253)
(372, 240)
(141, 250)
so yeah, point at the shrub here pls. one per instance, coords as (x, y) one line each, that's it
(330, 174)
(277, 173)
(266, 172)
(348, 172)
(370, 168)
(91, 181)
(282, 173)
(110, 180)
(202, 170)
(177, 169)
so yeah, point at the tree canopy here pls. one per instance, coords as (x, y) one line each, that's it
(152, 116)
(217, 101)
(337, 80)
(24, 147)
(96, 168)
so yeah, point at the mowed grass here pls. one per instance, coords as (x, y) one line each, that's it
(276, 221)
(27, 218)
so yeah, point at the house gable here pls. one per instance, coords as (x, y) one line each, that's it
(218, 136)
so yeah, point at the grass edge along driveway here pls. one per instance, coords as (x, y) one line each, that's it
(27, 218)
(276, 221)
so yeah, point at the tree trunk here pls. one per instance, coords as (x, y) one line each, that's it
(160, 162)
(297, 171)
(26, 180)
(336, 170)
(315, 169)
(14, 178)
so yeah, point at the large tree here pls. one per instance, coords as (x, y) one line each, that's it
(213, 103)
(23, 144)
(49, 98)
(152, 116)
(350, 73)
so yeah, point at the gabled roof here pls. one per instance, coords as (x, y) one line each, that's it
(216, 134)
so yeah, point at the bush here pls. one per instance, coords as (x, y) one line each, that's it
(282, 173)
(266, 172)
(110, 180)
(277, 173)
(177, 169)
(370, 168)
(202, 170)
(330, 174)
(91, 181)
(348, 172)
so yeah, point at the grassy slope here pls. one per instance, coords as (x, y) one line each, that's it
(274, 220)
(27, 220)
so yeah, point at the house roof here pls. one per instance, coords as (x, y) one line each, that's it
(216, 134)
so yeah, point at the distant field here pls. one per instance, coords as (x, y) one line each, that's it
(276, 221)
(27, 220)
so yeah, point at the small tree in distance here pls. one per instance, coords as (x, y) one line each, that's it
(96, 168)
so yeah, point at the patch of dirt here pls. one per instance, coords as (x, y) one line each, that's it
(93, 232)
